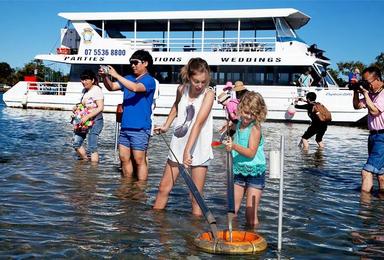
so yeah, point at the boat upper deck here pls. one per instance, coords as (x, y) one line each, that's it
(216, 18)
(185, 31)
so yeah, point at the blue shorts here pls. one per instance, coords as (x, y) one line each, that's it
(257, 182)
(135, 139)
(375, 162)
(93, 136)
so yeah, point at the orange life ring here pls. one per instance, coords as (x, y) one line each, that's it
(243, 242)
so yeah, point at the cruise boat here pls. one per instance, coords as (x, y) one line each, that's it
(257, 46)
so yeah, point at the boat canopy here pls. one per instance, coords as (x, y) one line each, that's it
(261, 19)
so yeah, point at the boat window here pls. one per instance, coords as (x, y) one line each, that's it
(168, 74)
(77, 69)
(284, 31)
(250, 75)
(258, 75)
(328, 78)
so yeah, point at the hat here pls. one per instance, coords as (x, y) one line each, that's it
(222, 97)
(228, 85)
(239, 86)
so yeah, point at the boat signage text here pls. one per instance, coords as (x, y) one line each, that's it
(105, 52)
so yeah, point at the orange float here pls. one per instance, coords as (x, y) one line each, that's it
(243, 242)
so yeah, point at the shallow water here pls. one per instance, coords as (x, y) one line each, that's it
(54, 206)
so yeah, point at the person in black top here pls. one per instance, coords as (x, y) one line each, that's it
(317, 127)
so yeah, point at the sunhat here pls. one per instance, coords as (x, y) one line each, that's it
(239, 86)
(222, 97)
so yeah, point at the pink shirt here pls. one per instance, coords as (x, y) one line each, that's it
(376, 122)
(232, 108)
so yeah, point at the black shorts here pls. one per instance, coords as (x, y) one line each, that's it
(315, 129)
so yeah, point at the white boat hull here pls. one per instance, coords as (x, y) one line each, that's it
(277, 98)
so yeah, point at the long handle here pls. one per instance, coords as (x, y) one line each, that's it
(230, 184)
(199, 199)
(195, 193)
(230, 188)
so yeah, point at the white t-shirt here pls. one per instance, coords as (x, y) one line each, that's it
(89, 98)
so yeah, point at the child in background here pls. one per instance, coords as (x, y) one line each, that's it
(354, 77)
(247, 149)
(240, 90)
(230, 106)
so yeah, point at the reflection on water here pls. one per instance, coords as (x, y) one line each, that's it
(53, 206)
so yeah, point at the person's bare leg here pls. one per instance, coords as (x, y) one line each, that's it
(380, 179)
(82, 153)
(305, 143)
(366, 181)
(198, 177)
(167, 182)
(126, 163)
(252, 205)
(238, 194)
(139, 158)
(95, 157)
(320, 144)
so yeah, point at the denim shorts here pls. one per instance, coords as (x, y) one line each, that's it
(135, 139)
(375, 162)
(93, 136)
(257, 182)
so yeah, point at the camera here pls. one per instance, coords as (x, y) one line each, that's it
(105, 69)
(356, 85)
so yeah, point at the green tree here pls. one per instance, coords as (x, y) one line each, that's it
(379, 62)
(335, 76)
(6, 74)
(43, 73)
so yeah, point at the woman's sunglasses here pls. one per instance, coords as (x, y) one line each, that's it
(135, 62)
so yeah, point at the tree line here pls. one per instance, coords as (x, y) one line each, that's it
(344, 68)
(10, 76)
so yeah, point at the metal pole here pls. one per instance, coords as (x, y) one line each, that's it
(280, 224)
(117, 132)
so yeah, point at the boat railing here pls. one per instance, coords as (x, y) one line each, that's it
(252, 44)
(47, 88)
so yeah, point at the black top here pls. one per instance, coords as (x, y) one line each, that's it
(309, 107)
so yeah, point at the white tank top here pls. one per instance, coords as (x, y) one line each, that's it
(201, 151)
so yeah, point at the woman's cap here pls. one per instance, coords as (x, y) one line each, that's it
(222, 97)
(239, 86)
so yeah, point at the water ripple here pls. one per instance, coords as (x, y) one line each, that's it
(54, 206)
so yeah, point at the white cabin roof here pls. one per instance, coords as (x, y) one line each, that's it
(295, 18)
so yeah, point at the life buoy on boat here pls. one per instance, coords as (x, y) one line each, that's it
(243, 242)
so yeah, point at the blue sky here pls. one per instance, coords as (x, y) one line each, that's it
(348, 30)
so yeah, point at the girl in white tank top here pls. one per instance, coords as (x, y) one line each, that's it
(192, 135)
(187, 110)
